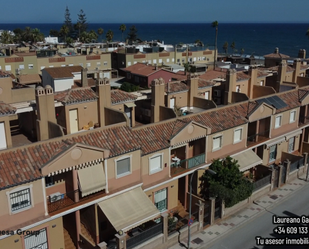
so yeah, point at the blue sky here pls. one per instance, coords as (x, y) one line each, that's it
(139, 11)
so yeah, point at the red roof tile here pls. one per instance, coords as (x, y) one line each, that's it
(76, 95)
(141, 69)
(29, 78)
(176, 87)
(119, 96)
(6, 109)
(62, 72)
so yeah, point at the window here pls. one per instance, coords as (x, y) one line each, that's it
(154, 61)
(21, 67)
(88, 64)
(291, 144)
(167, 60)
(237, 135)
(123, 167)
(278, 121)
(134, 62)
(262, 83)
(272, 153)
(160, 60)
(292, 116)
(173, 59)
(20, 199)
(98, 64)
(238, 88)
(71, 65)
(105, 63)
(155, 164)
(30, 66)
(160, 198)
(35, 241)
(129, 63)
(206, 95)
(49, 181)
(81, 64)
(63, 65)
(8, 68)
(42, 67)
(217, 143)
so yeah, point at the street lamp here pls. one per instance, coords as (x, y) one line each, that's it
(190, 201)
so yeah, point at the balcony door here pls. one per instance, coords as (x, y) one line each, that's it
(73, 115)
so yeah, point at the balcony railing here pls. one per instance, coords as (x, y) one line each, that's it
(259, 137)
(189, 163)
(57, 202)
(295, 165)
(303, 119)
(144, 235)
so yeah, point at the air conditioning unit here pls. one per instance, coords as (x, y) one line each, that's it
(56, 197)
(217, 93)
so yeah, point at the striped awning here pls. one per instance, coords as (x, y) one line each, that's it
(129, 209)
(91, 179)
(247, 160)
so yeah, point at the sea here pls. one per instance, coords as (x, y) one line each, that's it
(254, 38)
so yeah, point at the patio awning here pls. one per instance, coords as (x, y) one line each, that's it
(293, 134)
(275, 141)
(247, 160)
(91, 179)
(129, 209)
(129, 105)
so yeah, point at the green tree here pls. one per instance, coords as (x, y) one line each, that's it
(242, 51)
(233, 46)
(64, 31)
(69, 41)
(225, 47)
(54, 33)
(6, 37)
(18, 34)
(100, 33)
(37, 35)
(127, 87)
(81, 22)
(67, 19)
(132, 35)
(228, 184)
(27, 34)
(93, 36)
(199, 43)
(109, 36)
(122, 28)
(215, 25)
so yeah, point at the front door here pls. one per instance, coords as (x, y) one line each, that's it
(73, 121)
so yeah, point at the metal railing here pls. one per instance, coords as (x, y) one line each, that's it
(254, 138)
(180, 222)
(191, 162)
(144, 235)
(261, 183)
(295, 165)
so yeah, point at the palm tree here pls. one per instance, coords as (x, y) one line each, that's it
(37, 35)
(6, 37)
(122, 28)
(242, 51)
(215, 25)
(100, 32)
(225, 47)
(109, 36)
(233, 46)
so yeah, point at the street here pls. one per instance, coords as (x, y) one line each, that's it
(244, 236)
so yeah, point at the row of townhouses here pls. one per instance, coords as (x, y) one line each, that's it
(86, 166)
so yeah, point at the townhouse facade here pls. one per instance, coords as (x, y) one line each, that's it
(139, 187)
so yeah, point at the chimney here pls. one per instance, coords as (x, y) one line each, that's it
(281, 74)
(192, 82)
(230, 85)
(253, 80)
(276, 51)
(104, 94)
(45, 111)
(302, 54)
(157, 98)
(296, 73)
(84, 72)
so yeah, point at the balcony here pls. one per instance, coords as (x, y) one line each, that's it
(62, 202)
(303, 120)
(257, 138)
(179, 166)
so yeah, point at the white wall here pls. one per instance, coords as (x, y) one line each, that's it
(63, 84)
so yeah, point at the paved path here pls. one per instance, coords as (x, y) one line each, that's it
(208, 236)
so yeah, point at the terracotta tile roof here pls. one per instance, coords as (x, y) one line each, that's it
(242, 76)
(4, 74)
(176, 87)
(141, 69)
(276, 68)
(304, 67)
(6, 109)
(302, 93)
(205, 83)
(62, 72)
(21, 54)
(76, 95)
(291, 98)
(119, 96)
(23, 165)
(223, 118)
(262, 72)
(214, 74)
(276, 55)
(29, 78)
(156, 137)
(91, 82)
